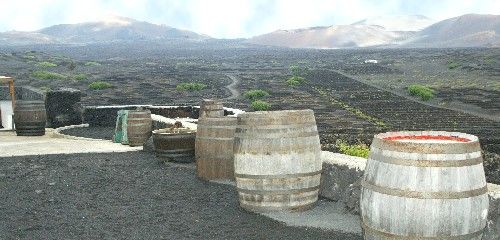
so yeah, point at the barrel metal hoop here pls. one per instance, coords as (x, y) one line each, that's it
(431, 148)
(384, 234)
(425, 163)
(300, 208)
(203, 126)
(424, 195)
(178, 151)
(278, 192)
(264, 126)
(294, 175)
(214, 138)
(277, 136)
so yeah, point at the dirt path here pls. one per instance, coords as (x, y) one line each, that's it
(235, 93)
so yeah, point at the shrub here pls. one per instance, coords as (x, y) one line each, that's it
(295, 81)
(298, 71)
(453, 65)
(259, 105)
(424, 92)
(191, 86)
(48, 75)
(46, 64)
(91, 64)
(256, 94)
(358, 150)
(80, 77)
(99, 85)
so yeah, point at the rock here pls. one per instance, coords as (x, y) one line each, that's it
(63, 107)
(38, 191)
(148, 145)
(350, 197)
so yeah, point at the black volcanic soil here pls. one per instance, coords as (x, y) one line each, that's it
(125, 196)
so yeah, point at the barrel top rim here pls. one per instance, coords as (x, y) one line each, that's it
(437, 137)
(275, 113)
(182, 131)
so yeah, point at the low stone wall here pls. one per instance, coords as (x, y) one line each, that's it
(341, 178)
(22, 93)
(63, 107)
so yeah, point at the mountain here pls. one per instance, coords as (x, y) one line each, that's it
(110, 29)
(471, 30)
(398, 22)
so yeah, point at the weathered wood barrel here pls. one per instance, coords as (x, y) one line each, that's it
(424, 185)
(139, 127)
(277, 160)
(30, 118)
(174, 145)
(214, 148)
(210, 108)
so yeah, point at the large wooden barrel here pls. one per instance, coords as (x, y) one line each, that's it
(30, 118)
(424, 185)
(210, 108)
(277, 160)
(176, 146)
(214, 148)
(139, 127)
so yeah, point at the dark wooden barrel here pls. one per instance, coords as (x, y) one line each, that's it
(277, 160)
(30, 118)
(175, 146)
(210, 108)
(424, 185)
(214, 148)
(139, 127)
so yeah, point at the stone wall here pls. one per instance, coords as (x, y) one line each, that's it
(63, 107)
(22, 93)
(341, 178)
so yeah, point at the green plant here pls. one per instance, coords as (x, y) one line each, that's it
(48, 75)
(298, 70)
(46, 65)
(424, 92)
(256, 94)
(358, 150)
(191, 86)
(92, 64)
(295, 81)
(80, 77)
(453, 65)
(99, 85)
(259, 105)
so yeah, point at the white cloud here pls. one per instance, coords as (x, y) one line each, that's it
(229, 18)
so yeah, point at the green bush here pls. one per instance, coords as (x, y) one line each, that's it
(91, 64)
(48, 75)
(191, 86)
(256, 94)
(80, 77)
(295, 81)
(259, 105)
(453, 65)
(46, 65)
(358, 150)
(99, 85)
(298, 71)
(424, 92)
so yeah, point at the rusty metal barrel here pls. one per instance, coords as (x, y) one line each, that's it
(139, 127)
(175, 145)
(277, 160)
(30, 118)
(210, 108)
(214, 148)
(424, 185)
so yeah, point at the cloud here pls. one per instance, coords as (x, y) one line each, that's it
(229, 18)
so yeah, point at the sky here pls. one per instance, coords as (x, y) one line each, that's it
(230, 18)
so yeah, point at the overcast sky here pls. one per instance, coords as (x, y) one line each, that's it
(230, 18)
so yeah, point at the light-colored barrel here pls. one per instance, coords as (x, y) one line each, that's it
(30, 118)
(210, 108)
(214, 148)
(424, 185)
(139, 127)
(277, 160)
(175, 145)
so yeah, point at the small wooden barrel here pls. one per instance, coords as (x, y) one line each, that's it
(30, 118)
(176, 146)
(211, 109)
(424, 185)
(139, 126)
(214, 148)
(277, 160)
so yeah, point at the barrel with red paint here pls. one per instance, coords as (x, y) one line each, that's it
(424, 185)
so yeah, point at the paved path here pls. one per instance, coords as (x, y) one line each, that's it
(232, 87)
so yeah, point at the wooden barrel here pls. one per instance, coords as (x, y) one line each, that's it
(30, 118)
(424, 185)
(214, 148)
(210, 108)
(139, 126)
(277, 160)
(174, 146)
